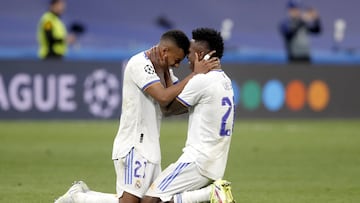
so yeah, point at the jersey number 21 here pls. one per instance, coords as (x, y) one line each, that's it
(225, 129)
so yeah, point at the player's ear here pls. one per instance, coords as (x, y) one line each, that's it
(164, 48)
(200, 54)
(163, 51)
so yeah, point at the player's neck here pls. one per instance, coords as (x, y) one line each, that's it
(147, 53)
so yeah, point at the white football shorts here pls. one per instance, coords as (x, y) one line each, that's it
(177, 178)
(134, 174)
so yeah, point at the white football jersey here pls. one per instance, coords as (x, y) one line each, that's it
(140, 115)
(210, 99)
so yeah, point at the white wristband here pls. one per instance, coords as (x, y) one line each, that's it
(206, 57)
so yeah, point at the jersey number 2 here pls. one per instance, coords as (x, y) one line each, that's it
(226, 131)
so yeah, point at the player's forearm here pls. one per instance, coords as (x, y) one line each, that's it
(167, 79)
(171, 92)
(174, 108)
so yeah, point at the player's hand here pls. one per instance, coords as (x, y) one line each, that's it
(167, 78)
(207, 63)
(310, 15)
(159, 62)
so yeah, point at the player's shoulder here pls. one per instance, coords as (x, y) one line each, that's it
(139, 60)
(211, 76)
(139, 57)
(200, 81)
(139, 64)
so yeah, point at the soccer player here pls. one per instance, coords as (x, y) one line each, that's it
(209, 98)
(136, 149)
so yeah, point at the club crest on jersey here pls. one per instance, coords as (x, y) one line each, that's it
(149, 69)
(138, 184)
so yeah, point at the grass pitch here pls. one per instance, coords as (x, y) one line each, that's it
(296, 161)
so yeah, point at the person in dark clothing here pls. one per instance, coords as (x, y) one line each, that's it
(295, 30)
(52, 34)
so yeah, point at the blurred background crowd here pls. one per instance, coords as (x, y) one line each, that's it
(252, 29)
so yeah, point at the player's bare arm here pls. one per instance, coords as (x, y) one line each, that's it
(175, 108)
(165, 95)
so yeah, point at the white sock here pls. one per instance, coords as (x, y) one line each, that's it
(95, 193)
(201, 195)
(95, 197)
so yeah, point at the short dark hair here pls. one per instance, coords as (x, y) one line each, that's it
(180, 39)
(52, 2)
(213, 39)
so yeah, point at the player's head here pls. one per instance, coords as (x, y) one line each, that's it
(175, 45)
(203, 41)
(57, 6)
(294, 8)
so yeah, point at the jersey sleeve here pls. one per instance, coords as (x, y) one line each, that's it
(192, 92)
(144, 75)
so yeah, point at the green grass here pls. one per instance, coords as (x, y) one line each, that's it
(296, 161)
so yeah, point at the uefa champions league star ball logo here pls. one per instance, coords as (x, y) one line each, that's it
(102, 93)
(149, 69)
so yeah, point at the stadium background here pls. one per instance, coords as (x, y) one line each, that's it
(116, 29)
(296, 136)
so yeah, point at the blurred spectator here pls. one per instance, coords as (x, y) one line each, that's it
(164, 22)
(295, 29)
(52, 35)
